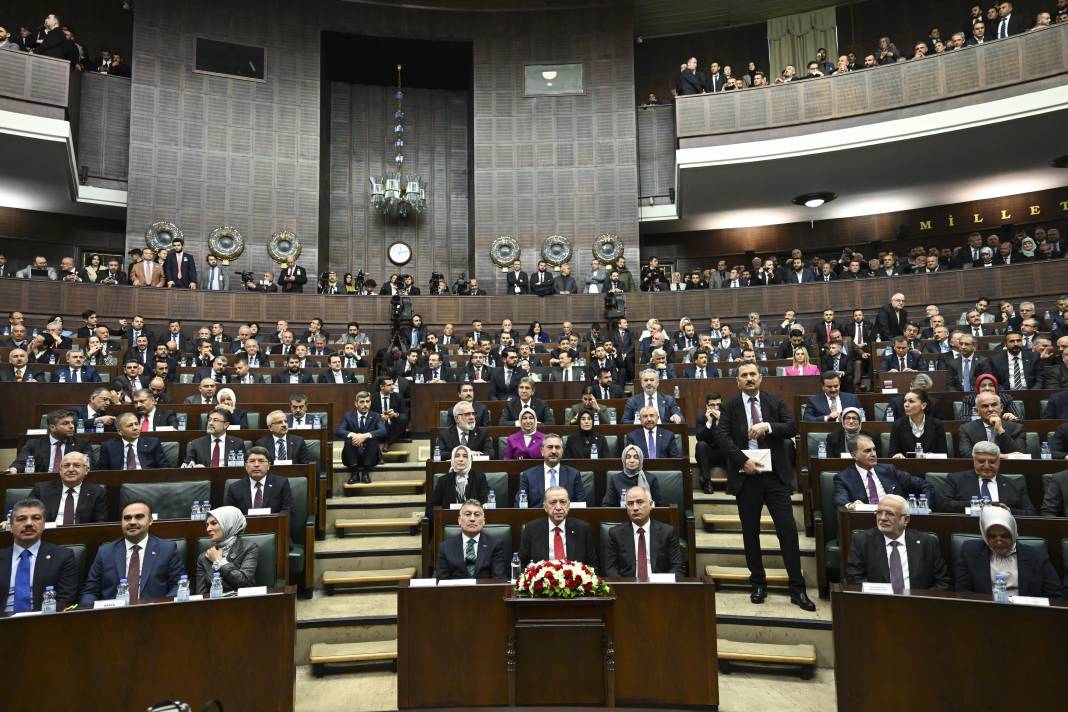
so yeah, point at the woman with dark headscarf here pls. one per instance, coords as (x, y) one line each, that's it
(988, 383)
(460, 483)
(842, 440)
(579, 444)
(633, 475)
(233, 558)
(1027, 569)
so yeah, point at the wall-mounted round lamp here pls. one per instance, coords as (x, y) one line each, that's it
(814, 200)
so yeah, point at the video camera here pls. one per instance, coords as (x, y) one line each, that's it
(461, 286)
(246, 276)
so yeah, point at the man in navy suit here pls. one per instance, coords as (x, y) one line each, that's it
(150, 565)
(76, 371)
(361, 429)
(666, 406)
(902, 359)
(294, 373)
(472, 554)
(179, 269)
(829, 406)
(663, 441)
(261, 489)
(866, 481)
(132, 450)
(700, 368)
(70, 499)
(550, 474)
(36, 563)
(504, 380)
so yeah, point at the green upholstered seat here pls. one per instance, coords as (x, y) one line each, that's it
(266, 570)
(13, 495)
(169, 500)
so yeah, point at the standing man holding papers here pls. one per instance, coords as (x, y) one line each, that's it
(756, 421)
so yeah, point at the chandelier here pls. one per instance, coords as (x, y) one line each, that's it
(396, 195)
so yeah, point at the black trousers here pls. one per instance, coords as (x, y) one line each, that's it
(708, 457)
(395, 428)
(758, 490)
(364, 457)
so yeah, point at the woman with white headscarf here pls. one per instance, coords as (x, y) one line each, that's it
(228, 399)
(633, 475)
(839, 441)
(230, 555)
(525, 444)
(460, 483)
(1027, 569)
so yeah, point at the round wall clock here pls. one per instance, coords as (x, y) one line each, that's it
(400, 253)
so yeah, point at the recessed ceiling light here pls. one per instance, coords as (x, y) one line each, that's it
(814, 200)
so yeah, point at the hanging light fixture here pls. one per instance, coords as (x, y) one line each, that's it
(395, 195)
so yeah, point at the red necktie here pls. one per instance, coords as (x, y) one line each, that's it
(144, 423)
(68, 508)
(643, 556)
(258, 501)
(558, 544)
(133, 573)
(178, 259)
(215, 453)
(828, 332)
(58, 457)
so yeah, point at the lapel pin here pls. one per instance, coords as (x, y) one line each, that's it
(153, 553)
(47, 557)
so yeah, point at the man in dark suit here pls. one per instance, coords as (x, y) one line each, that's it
(551, 473)
(891, 319)
(179, 269)
(605, 388)
(902, 359)
(518, 282)
(390, 406)
(755, 420)
(473, 554)
(964, 369)
(828, 406)
(1056, 407)
(476, 370)
(875, 554)
(982, 481)
(76, 371)
(465, 431)
(282, 444)
(412, 336)
(132, 450)
(524, 398)
(866, 481)
(150, 565)
(667, 409)
(1014, 366)
(29, 565)
(991, 427)
(1055, 500)
(701, 368)
(504, 380)
(48, 450)
(293, 373)
(823, 328)
(466, 392)
(292, 277)
(1009, 22)
(541, 281)
(654, 442)
(215, 448)
(436, 371)
(361, 429)
(18, 371)
(261, 489)
(642, 546)
(70, 499)
(96, 410)
(838, 359)
(568, 539)
(690, 80)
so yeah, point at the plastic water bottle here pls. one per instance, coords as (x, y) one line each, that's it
(194, 512)
(517, 568)
(79, 427)
(48, 601)
(763, 356)
(491, 500)
(216, 586)
(925, 507)
(1046, 454)
(122, 593)
(889, 350)
(1001, 592)
(317, 422)
(205, 507)
(889, 414)
(596, 418)
(593, 451)
(986, 502)
(181, 362)
(913, 504)
(822, 454)
(437, 453)
(919, 451)
(183, 589)
(1047, 315)
(623, 498)
(182, 421)
(715, 357)
(523, 503)
(974, 509)
(931, 365)
(31, 466)
(678, 393)
(612, 417)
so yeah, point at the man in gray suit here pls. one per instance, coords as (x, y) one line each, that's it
(216, 278)
(595, 280)
(1008, 436)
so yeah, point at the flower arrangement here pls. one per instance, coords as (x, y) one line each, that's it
(560, 579)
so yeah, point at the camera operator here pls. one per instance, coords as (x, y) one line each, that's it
(460, 287)
(264, 285)
(438, 287)
(328, 283)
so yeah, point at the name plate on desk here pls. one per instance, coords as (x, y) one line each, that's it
(478, 458)
(863, 507)
(1029, 600)
(422, 583)
(193, 597)
(109, 603)
(258, 512)
(1017, 456)
(252, 591)
(889, 391)
(50, 525)
(165, 429)
(869, 587)
(935, 456)
(36, 431)
(455, 505)
(578, 505)
(662, 578)
(283, 462)
(457, 582)
(233, 426)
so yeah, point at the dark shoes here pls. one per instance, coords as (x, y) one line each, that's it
(354, 478)
(802, 601)
(759, 594)
(366, 478)
(707, 488)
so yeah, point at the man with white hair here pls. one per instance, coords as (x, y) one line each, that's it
(892, 553)
(667, 409)
(984, 481)
(69, 499)
(465, 432)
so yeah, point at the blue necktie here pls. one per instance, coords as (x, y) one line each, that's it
(552, 477)
(23, 594)
(966, 369)
(984, 491)
(652, 446)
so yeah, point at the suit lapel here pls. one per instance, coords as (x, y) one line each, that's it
(119, 557)
(877, 555)
(628, 547)
(149, 555)
(917, 576)
(651, 542)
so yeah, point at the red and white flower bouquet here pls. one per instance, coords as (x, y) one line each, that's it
(560, 579)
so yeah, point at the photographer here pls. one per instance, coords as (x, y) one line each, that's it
(264, 285)
(438, 287)
(328, 283)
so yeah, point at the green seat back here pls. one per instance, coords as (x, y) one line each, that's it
(203, 421)
(266, 570)
(500, 532)
(443, 418)
(170, 451)
(94, 452)
(253, 420)
(678, 442)
(611, 445)
(298, 487)
(266, 377)
(501, 440)
(602, 543)
(44, 422)
(958, 410)
(13, 495)
(804, 407)
(826, 504)
(780, 370)
(169, 500)
(958, 539)
(1064, 552)
(315, 454)
(812, 442)
(672, 490)
(588, 487)
(884, 443)
(949, 442)
(1031, 446)
(1041, 406)
(80, 555)
(498, 482)
(183, 551)
(880, 410)
(938, 482)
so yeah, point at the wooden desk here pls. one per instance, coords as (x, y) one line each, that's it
(426, 395)
(946, 651)
(96, 659)
(668, 660)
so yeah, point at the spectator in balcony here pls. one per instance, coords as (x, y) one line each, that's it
(933, 35)
(760, 79)
(789, 74)
(102, 64)
(119, 67)
(690, 81)
(919, 51)
(812, 71)
(842, 66)
(869, 61)
(79, 58)
(715, 79)
(1009, 23)
(976, 14)
(564, 283)
(887, 53)
(652, 271)
(1062, 12)
(38, 270)
(821, 61)
(180, 269)
(51, 42)
(6, 41)
(978, 35)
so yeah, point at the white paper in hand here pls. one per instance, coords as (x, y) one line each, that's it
(761, 456)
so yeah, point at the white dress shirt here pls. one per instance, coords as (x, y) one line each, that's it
(902, 553)
(992, 485)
